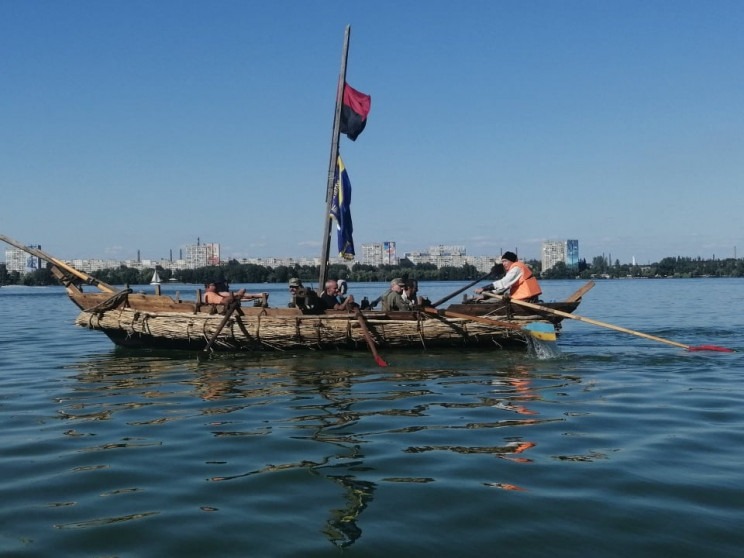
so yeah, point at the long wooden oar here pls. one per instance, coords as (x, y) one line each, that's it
(466, 287)
(368, 337)
(60, 264)
(562, 314)
(535, 330)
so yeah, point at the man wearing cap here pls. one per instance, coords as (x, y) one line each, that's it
(519, 280)
(305, 299)
(393, 300)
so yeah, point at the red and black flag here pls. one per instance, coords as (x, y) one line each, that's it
(354, 111)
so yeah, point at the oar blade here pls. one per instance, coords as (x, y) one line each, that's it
(379, 361)
(541, 331)
(543, 336)
(711, 348)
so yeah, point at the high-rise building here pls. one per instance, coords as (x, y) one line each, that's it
(566, 251)
(572, 254)
(202, 255)
(441, 256)
(22, 262)
(379, 253)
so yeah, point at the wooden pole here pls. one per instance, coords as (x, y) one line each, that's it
(327, 220)
(105, 287)
(562, 314)
(465, 288)
(368, 337)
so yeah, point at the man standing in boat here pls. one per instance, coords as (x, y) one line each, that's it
(519, 280)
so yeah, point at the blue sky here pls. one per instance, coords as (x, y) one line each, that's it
(496, 125)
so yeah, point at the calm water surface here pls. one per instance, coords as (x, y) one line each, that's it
(611, 446)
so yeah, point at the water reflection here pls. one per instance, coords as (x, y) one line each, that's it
(342, 529)
(356, 417)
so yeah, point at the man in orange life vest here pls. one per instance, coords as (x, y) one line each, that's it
(518, 280)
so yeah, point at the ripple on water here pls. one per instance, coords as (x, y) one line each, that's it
(617, 446)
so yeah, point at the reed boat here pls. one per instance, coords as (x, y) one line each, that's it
(150, 321)
(136, 320)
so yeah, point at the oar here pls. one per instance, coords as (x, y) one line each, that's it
(59, 263)
(543, 332)
(228, 312)
(466, 287)
(562, 314)
(370, 342)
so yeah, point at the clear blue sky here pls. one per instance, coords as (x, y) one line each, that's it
(496, 125)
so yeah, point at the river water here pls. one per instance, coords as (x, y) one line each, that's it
(611, 445)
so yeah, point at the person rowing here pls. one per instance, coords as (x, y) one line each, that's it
(519, 280)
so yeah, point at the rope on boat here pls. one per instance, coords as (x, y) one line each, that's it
(241, 325)
(317, 326)
(189, 326)
(130, 329)
(204, 330)
(420, 328)
(110, 303)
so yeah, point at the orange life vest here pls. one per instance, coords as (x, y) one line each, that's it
(526, 287)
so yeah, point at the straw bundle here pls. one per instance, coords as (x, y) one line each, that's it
(273, 332)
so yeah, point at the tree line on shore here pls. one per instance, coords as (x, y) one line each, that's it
(236, 272)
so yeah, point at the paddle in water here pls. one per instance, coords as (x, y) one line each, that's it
(368, 337)
(545, 309)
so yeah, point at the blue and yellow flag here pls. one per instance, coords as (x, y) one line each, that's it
(341, 211)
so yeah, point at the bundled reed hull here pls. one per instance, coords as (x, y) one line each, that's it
(271, 329)
(152, 321)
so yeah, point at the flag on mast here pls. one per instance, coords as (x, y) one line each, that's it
(354, 111)
(341, 211)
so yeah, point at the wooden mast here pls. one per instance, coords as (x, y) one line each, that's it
(327, 219)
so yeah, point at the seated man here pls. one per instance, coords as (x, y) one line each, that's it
(217, 291)
(330, 299)
(305, 299)
(410, 292)
(393, 300)
(411, 296)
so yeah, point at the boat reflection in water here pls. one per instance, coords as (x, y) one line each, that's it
(271, 421)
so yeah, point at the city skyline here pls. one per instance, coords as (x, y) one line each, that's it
(494, 125)
(376, 254)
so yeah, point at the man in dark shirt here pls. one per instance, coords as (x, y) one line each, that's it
(330, 300)
(303, 298)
